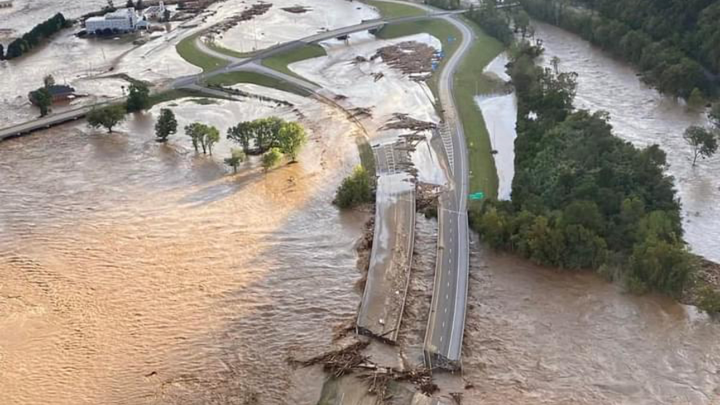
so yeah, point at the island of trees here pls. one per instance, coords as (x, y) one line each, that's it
(583, 198)
(674, 43)
(36, 36)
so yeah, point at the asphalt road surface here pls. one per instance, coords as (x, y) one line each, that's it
(446, 323)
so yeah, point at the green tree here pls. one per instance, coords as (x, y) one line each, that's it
(291, 138)
(696, 98)
(138, 97)
(664, 266)
(242, 133)
(195, 131)
(166, 125)
(43, 99)
(271, 158)
(522, 22)
(702, 142)
(107, 117)
(355, 189)
(211, 136)
(237, 156)
(49, 80)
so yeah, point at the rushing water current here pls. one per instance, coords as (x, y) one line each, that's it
(133, 272)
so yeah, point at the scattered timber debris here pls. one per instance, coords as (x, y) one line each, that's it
(247, 15)
(364, 248)
(379, 378)
(404, 121)
(245, 94)
(350, 359)
(378, 76)
(296, 9)
(359, 59)
(360, 112)
(457, 397)
(340, 97)
(427, 197)
(410, 57)
(342, 330)
(338, 362)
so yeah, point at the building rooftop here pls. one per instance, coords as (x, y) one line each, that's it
(60, 89)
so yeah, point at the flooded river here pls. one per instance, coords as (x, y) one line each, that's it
(135, 273)
(643, 116)
(544, 336)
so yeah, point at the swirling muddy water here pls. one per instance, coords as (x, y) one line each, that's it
(133, 272)
(643, 116)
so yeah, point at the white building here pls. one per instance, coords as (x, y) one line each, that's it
(155, 12)
(121, 20)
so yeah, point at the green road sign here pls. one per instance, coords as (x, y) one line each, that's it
(477, 196)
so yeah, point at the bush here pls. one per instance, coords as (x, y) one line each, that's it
(709, 299)
(355, 189)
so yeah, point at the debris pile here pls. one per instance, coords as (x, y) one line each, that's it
(404, 121)
(412, 58)
(247, 15)
(296, 9)
(360, 112)
(338, 362)
(237, 92)
(427, 197)
(350, 359)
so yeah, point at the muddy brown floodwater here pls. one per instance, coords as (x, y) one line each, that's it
(136, 273)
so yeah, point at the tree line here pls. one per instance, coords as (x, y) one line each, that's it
(273, 137)
(36, 36)
(581, 197)
(674, 43)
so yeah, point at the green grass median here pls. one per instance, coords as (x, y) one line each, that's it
(231, 78)
(281, 61)
(395, 10)
(188, 50)
(470, 81)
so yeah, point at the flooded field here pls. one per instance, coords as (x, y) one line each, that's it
(643, 116)
(134, 272)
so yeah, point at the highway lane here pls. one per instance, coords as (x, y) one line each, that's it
(446, 322)
(236, 64)
(51, 120)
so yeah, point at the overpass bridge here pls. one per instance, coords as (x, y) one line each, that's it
(247, 64)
